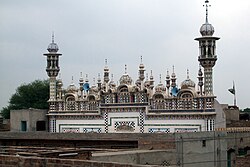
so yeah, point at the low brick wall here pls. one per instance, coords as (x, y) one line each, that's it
(110, 140)
(18, 161)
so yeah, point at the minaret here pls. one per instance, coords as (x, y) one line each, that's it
(173, 79)
(59, 87)
(200, 79)
(168, 82)
(207, 57)
(106, 76)
(99, 84)
(52, 69)
(141, 73)
(151, 81)
(81, 82)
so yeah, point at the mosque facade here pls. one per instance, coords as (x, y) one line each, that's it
(140, 106)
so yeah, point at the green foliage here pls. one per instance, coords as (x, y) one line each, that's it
(245, 110)
(32, 95)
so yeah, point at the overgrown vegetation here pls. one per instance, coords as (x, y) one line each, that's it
(32, 95)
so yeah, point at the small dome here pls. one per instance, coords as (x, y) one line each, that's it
(160, 88)
(187, 83)
(93, 89)
(53, 47)
(141, 66)
(125, 79)
(112, 84)
(207, 29)
(72, 88)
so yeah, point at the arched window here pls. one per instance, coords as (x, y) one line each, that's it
(70, 103)
(186, 100)
(158, 101)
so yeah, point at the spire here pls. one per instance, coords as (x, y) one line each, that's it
(99, 81)
(112, 77)
(53, 46)
(173, 74)
(141, 71)
(151, 75)
(207, 29)
(52, 36)
(99, 78)
(81, 78)
(151, 82)
(86, 79)
(173, 79)
(168, 82)
(106, 72)
(125, 69)
(206, 4)
(106, 62)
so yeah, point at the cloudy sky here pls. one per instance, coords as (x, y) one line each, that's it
(90, 31)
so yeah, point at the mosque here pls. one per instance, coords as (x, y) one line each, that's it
(140, 106)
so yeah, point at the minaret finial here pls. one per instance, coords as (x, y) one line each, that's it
(86, 79)
(125, 69)
(206, 2)
(53, 36)
(141, 59)
(106, 62)
(72, 79)
(99, 76)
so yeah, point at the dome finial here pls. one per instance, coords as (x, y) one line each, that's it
(53, 36)
(207, 29)
(125, 68)
(112, 77)
(187, 73)
(86, 79)
(206, 2)
(53, 46)
(160, 78)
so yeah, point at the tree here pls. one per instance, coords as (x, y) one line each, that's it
(32, 95)
(245, 110)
